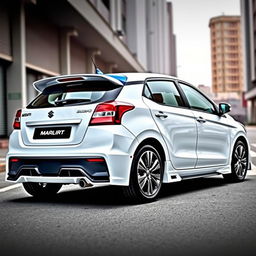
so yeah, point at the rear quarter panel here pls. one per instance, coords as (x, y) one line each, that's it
(139, 121)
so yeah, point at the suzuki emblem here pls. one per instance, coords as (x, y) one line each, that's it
(50, 114)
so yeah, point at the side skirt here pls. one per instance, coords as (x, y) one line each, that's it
(174, 175)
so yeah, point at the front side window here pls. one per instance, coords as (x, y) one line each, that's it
(163, 92)
(196, 100)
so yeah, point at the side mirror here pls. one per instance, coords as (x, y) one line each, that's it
(224, 108)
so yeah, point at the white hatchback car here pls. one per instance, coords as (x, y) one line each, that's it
(134, 130)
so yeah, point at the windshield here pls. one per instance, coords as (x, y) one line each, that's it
(76, 93)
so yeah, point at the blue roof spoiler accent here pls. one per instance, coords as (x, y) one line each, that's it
(121, 78)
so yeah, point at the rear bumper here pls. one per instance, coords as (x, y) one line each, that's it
(95, 169)
(115, 144)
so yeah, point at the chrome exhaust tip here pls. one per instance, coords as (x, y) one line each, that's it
(84, 184)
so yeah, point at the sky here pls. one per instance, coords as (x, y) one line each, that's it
(191, 20)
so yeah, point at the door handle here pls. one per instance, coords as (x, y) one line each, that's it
(161, 114)
(200, 119)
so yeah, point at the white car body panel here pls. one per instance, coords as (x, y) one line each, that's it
(191, 148)
(213, 145)
(179, 131)
(66, 115)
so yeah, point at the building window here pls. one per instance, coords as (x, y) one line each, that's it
(106, 3)
(233, 78)
(231, 40)
(233, 86)
(232, 63)
(231, 48)
(231, 32)
(232, 55)
(231, 25)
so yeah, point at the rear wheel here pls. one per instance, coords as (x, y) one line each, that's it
(146, 175)
(239, 163)
(42, 190)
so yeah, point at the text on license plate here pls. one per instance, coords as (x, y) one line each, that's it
(52, 133)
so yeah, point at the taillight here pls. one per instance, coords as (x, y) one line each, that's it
(14, 160)
(16, 123)
(110, 113)
(95, 160)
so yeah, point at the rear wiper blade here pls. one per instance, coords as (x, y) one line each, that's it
(70, 101)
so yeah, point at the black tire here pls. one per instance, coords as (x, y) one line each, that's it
(147, 167)
(239, 163)
(42, 190)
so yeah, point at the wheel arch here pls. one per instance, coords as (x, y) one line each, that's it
(155, 143)
(245, 141)
(241, 137)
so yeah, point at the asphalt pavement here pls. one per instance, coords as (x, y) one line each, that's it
(205, 216)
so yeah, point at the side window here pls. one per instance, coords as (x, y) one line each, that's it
(163, 92)
(196, 100)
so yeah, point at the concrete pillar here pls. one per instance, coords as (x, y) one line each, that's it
(65, 62)
(113, 14)
(166, 40)
(116, 15)
(91, 53)
(136, 29)
(119, 15)
(16, 73)
(150, 36)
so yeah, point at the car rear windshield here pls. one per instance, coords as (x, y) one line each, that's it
(75, 94)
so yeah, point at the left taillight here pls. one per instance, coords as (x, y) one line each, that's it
(109, 113)
(16, 123)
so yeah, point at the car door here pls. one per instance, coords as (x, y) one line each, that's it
(213, 145)
(175, 122)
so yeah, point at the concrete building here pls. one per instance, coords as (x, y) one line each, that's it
(226, 49)
(227, 63)
(248, 12)
(41, 38)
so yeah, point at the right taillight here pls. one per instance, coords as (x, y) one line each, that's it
(110, 113)
(16, 123)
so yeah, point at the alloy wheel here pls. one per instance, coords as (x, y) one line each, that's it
(149, 173)
(240, 161)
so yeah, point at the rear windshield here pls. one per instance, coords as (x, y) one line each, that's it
(76, 94)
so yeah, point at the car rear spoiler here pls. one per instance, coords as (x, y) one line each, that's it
(42, 84)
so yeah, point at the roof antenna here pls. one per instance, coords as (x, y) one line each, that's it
(97, 70)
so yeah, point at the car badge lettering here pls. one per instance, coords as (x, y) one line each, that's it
(26, 114)
(84, 111)
(50, 114)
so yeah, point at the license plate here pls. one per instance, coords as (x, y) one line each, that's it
(52, 133)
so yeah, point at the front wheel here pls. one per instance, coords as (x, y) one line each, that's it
(146, 175)
(239, 163)
(42, 190)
